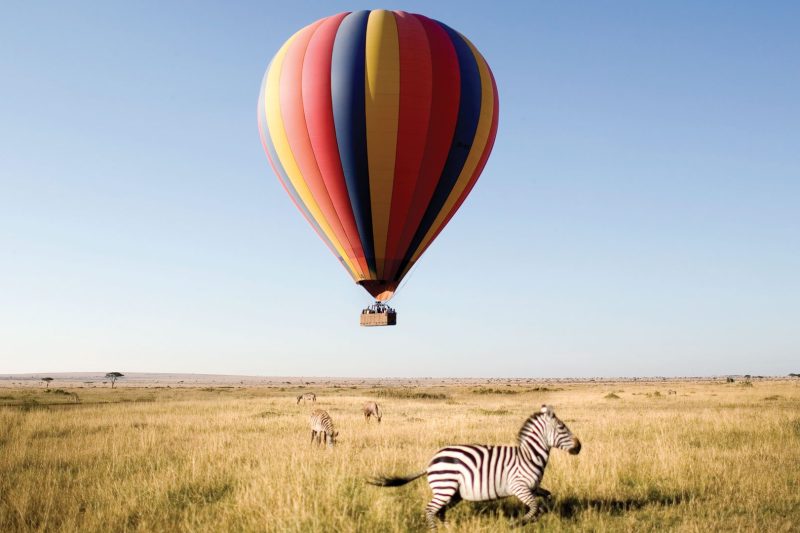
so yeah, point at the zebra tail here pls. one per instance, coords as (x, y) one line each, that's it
(394, 481)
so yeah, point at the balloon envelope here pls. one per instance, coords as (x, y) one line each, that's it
(378, 124)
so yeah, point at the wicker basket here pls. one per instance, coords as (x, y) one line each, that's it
(388, 318)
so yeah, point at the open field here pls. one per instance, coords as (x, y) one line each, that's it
(714, 456)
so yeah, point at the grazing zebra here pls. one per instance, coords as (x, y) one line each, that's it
(480, 473)
(310, 396)
(371, 409)
(322, 424)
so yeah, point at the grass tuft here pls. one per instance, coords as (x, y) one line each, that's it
(32, 404)
(494, 391)
(267, 414)
(410, 394)
(493, 412)
(198, 494)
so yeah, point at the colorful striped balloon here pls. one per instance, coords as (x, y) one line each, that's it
(378, 124)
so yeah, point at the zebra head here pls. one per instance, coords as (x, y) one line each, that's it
(557, 434)
(331, 438)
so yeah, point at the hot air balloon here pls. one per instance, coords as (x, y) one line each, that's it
(378, 124)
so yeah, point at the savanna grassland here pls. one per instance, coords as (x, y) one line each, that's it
(712, 456)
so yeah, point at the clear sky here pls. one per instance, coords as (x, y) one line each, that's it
(640, 213)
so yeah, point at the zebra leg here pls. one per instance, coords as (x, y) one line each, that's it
(453, 501)
(546, 496)
(527, 496)
(442, 499)
(313, 434)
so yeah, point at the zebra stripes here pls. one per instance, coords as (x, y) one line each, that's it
(480, 473)
(308, 396)
(322, 425)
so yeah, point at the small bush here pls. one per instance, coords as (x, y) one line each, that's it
(611, 396)
(772, 398)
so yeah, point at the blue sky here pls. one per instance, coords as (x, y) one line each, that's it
(640, 213)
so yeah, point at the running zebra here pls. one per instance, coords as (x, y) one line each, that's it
(480, 473)
(308, 396)
(371, 409)
(322, 424)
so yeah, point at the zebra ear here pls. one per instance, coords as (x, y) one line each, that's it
(547, 410)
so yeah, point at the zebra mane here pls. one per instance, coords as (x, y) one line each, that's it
(527, 427)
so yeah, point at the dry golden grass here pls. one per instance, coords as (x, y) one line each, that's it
(713, 457)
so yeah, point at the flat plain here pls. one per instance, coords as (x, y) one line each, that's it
(684, 455)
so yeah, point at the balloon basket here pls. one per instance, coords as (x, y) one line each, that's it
(378, 314)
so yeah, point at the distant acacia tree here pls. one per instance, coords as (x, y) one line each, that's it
(47, 380)
(113, 376)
